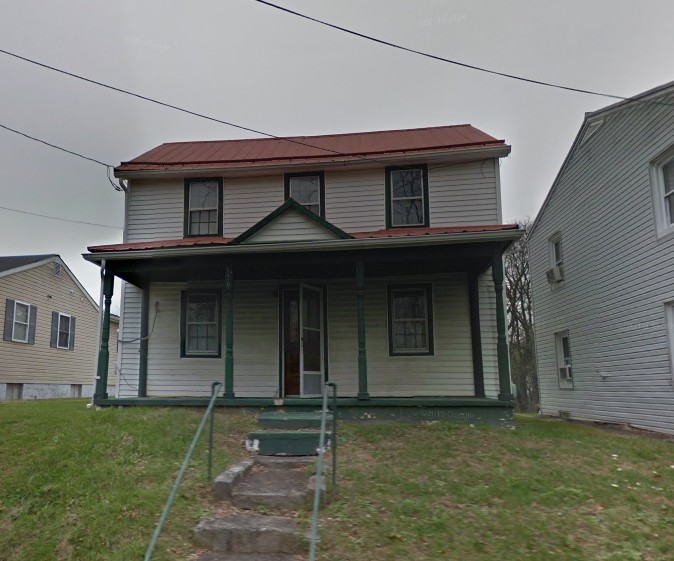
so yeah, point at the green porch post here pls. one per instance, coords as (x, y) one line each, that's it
(505, 393)
(229, 333)
(362, 353)
(476, 334)
(144, 325)
(101, 391)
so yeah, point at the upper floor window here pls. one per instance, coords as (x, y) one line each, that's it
(62, 331)
(308, 189)
(20, 319)
(662, 180)
(407, 196)
(410, 320)
(203, 207)
(556, 255)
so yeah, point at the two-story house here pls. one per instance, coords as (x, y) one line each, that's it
(602, 269)
(373, 260)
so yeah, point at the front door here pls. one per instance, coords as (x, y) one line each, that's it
(303, 352)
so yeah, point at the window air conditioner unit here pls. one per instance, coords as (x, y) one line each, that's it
(556, 274)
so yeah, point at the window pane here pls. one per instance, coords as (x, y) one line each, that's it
(20, 331)
(64, 324)
(63, 339)
(311, 309)
(408, 212)
(409, 305)
(305, 190)
(409, 335)
(311, 347)
(21, 313)
(668, 172)
(566, 350)
(203, 222)
(202, 324)
(558, 252)
(203, 195)
(406, 183)
(669, 204)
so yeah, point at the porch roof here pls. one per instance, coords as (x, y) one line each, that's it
(359, 240)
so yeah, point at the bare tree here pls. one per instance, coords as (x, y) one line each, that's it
(521, 322)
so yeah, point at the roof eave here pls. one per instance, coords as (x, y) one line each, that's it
(312, 246)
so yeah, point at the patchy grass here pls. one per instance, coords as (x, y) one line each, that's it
(78, 484)
(87, 485)
(546, 490)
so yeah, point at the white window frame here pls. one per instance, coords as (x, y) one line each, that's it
(18, 303)
(556, 240)
(562, 361)
(58, 331)
(669, 318)
(664, 223)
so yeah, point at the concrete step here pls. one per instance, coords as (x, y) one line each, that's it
(292, 420)
(249, 533)
(274, 485)
(286, 443)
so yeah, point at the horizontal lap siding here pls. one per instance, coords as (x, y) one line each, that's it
(249, 200)
(354, 200)
(129, 330)
(291, 226)
(155, 210)
(618, 275)
(487, 297)
(40, 363)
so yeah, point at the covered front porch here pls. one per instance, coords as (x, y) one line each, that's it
(457, 369)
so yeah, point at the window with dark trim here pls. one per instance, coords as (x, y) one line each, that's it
(201, 325)
(308, 189)
(20, 320)
(407, 196)
(62, 331)
(203, 207)
(410, 319)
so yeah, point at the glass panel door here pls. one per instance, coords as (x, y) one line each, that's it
(311, 340)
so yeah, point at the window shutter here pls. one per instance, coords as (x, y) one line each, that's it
(32, 320)
(71, 339)
(9, 319)
(54, 329)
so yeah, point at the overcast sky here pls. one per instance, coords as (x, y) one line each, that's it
(244, 62)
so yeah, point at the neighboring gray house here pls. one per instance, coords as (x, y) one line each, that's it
(602, 269)
(49, 334)
(373, 260)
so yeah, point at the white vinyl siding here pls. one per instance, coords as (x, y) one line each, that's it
(449, 372)
(618, 275)
(248, 200)
(155, 210)
(291, 226)
(39, 363)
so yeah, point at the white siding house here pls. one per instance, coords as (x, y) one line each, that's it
(602, 266)
(373, 260)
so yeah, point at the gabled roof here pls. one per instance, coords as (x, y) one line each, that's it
(15, 261)
(290, 205)
(260, 152)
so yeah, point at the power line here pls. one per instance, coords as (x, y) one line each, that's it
(61, 219)
(440, 58)
(94, 160)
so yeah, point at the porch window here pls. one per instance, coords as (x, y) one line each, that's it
(407, 196)
(201, 323)
(203, 207)
(410, 320)
(62, 331)
(308, 189)
(563, 351)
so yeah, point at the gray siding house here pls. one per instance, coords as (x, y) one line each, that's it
(373, 260)
(49, 335)
(602, 267)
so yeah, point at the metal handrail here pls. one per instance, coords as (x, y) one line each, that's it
(319, 465)
(183, 469)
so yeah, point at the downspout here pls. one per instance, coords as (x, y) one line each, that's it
(100, 332)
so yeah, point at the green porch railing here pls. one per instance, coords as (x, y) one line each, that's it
(319, 465)
(183, 469)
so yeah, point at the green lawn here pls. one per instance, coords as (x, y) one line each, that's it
(86, 485)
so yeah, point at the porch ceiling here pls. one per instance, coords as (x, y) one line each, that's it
(301, 265)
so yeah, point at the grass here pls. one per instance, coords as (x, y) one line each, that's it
(78, 484)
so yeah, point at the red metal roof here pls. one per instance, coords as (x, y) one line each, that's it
(210, 240)
(221, 154)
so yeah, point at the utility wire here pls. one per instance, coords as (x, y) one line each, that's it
(440, 58)
(61, 219)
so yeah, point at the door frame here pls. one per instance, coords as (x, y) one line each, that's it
(281, 363)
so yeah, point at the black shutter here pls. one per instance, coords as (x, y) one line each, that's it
(71, 339)
(32, 320)
(9, 319)
(54, 329)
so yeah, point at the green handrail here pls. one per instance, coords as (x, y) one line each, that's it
(183, 469)
(319, 465)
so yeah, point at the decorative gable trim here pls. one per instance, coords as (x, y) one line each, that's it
(289, 205)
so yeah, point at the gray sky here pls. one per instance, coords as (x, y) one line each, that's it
(243, 62)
